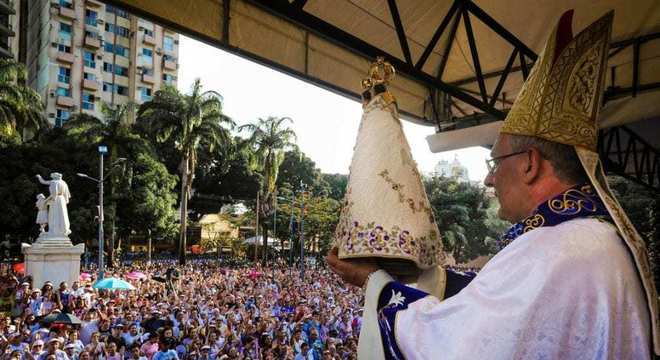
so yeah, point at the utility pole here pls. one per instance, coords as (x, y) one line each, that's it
(302, 231)
(102, 151)
(256, 233)
(99, 182)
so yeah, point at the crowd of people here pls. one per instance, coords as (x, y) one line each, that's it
(205, 310)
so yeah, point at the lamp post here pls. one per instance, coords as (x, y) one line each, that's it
(302, 230)
(102, 151)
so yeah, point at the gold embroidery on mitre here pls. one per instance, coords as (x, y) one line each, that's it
(560, 100)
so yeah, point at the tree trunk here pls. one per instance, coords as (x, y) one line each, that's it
(184, 210)
(148, 246)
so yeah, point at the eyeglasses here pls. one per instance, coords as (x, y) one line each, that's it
(493, 163)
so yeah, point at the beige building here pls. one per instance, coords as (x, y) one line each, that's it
(81, 53)
(10, 27)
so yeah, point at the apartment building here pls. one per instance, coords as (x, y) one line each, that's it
(9, 28)
(81, 53)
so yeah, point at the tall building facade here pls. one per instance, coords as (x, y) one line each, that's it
(82, 53)
(10, 27)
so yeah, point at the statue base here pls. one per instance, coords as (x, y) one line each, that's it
(52, 259)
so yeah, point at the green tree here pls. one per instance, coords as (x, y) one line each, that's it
(297, 168)
(642, 205)
(269, 138)
(461, 212)
(192, 123)
(18, 187)
(117, 132)
(337, 184)
(150, 204)
(21, 108)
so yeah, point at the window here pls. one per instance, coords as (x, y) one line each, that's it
(118, 30)
(147, 56)
(87, 101)
(168, 58)
(88, 58)
(89, 76)
(121, 70)
(64, 75)
(168, 78)
(64, 48)
(107, 67)
(145, 93)
(118, 89)
(90, 17)
(65, 31)
(122, 90)
(66, 3)
(148, 72)
(119, 12)
(62, 117)
(168, 43)
(61, 91)
(116, 48)
(148, 32)
(107, 86)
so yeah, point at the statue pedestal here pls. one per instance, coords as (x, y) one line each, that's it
(52, 259)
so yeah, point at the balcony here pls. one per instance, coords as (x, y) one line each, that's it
(94, 3)
(66, 101)
(93, 42)
(169, 64)
(67, 13)
(90, 84)
(65, 57)
(149, 40)
(148, 78)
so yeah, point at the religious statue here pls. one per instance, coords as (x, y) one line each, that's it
(42, 213)
(58, 218)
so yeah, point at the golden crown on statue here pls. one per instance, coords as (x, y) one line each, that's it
(380, 72)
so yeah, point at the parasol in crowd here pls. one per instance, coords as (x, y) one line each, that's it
(61, 318)
(19, 268)
(113, 283)
(136, 275)
(85, 276)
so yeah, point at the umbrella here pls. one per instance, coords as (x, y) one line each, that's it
(19, 268)
(136, 275)
(113, 283)
(68, 319)
(85, 276)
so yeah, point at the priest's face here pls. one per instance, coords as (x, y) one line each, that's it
(506, 180)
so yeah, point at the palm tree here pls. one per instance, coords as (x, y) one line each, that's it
(116, 131)
(192, 123)
(21, 108)
(269, 138)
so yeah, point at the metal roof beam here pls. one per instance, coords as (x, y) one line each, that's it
(400, 32)
(330, 32)
(436, 36)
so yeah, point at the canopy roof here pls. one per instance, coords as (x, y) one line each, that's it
(331, 43)
(461, 63)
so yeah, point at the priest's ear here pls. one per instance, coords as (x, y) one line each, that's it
(532, 165)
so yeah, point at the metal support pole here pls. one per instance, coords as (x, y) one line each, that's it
(291, 234)
(302, 232)
(274, 235)
(101, 266)
(256, 233)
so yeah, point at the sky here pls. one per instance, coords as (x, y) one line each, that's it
(326, 124)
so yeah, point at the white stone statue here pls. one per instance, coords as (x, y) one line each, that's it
(42, 213)
(58, 218)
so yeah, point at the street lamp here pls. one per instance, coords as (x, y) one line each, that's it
(102, 151)
(302, 230)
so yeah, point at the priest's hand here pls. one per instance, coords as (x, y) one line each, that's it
(353, 271)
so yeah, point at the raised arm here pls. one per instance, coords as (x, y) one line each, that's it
(41, 180)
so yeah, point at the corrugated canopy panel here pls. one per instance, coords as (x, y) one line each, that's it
(259, 33)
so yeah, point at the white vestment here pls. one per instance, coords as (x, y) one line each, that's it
(569, 291)
(58, 217)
